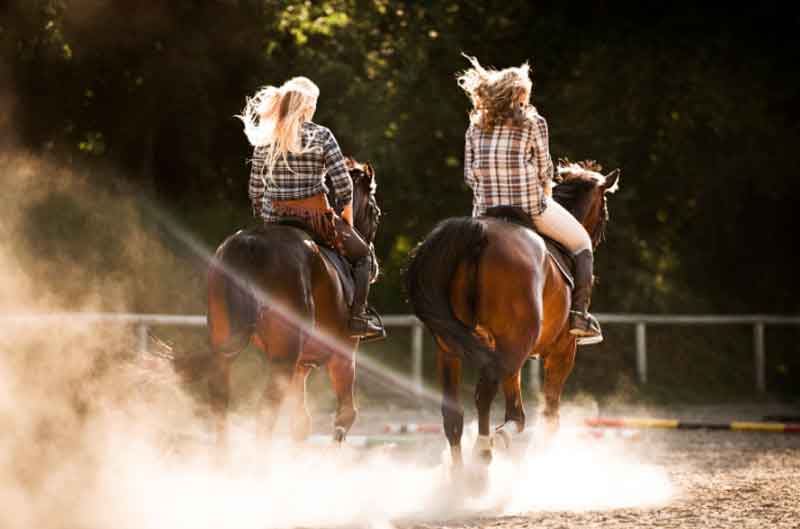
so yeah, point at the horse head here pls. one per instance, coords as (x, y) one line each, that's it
(582, 189)
(366, 213)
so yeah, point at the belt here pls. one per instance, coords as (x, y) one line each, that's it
(318, 202)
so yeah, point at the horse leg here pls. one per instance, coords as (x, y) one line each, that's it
(452, 411)
(515, 412)
(229, 334)
(516, 347)
(301, 420)
(285, 343)
(484, 395)
(342, 372)
(221, 340)
(557, 367)
(219, 389)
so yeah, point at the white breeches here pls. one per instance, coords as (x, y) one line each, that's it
(559, 224)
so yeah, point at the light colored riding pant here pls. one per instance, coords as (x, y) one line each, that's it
(559, 224)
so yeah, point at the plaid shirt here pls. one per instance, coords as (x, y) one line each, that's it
(304, 177)
(508, 166)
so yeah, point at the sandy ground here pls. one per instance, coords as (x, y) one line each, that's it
(720, 479)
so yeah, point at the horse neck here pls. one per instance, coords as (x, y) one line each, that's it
(360, 226)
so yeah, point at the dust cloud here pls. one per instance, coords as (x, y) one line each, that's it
(92, 435)
(66, 386)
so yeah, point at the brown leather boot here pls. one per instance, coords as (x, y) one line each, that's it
(581, 323)
(362, 324)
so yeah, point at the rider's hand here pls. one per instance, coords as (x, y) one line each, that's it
(548, 188)
(347, 213)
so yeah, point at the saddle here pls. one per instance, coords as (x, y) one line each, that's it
(556, 251)
(344, 270)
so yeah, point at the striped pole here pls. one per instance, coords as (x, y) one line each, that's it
(412, 428)
(366, 441)
(635, 423)
(775, 427)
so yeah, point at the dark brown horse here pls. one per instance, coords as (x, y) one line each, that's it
(488, 292)
(271, 286)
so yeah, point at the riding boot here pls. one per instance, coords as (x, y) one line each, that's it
(581, 323)
(361, 325)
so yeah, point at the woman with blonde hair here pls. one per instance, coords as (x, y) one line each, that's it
(292, 156)
(507, 163)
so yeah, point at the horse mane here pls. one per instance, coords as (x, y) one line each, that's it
(575, 181)
(364, 169)
(363, 176)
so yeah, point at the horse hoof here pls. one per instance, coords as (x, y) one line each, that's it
(483, 456)
(503, 439)
(339, 434)
(482, 452)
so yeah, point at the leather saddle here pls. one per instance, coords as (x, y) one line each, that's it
(342, 266)
(558, 253)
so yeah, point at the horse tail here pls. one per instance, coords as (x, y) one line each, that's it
(232, 281)
(429, 276)
(232, 300)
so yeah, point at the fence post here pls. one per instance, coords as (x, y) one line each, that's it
(641, 352)
(758, 356)
(142, 339)
(416, 356)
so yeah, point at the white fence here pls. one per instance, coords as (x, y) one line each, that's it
(143, 322)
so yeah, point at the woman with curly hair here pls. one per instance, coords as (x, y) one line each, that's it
(507, 163)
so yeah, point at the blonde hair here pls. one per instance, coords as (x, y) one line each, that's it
(495, 94)
(274, 117)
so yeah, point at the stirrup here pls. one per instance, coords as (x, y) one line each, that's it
(585, 328)
(373, 329)
(589, 340)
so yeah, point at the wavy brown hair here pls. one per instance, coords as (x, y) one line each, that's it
(495, 94)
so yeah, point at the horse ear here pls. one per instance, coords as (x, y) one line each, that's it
(611, 183)
(369, 170)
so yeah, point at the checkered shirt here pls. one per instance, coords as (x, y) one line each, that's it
(305, 176)
(508, 166)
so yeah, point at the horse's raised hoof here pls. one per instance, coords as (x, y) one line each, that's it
(339, 434)
(503, 439)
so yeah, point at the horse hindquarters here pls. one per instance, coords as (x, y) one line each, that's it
(280, 336)
(453, 248)
(258, 287)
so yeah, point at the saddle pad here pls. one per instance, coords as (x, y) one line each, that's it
(560, 255)
(562, 258)
(342, 266)
(343, 269)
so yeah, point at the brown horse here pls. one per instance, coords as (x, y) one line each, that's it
(488, 292)
(271, 286)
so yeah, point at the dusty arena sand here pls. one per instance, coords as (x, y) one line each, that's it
(721, 480)
(718, 479)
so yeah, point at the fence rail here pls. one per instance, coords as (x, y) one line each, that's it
(143, 322)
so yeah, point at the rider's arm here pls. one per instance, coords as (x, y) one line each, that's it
(337, 172)
(541, 141)
(469, 178)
